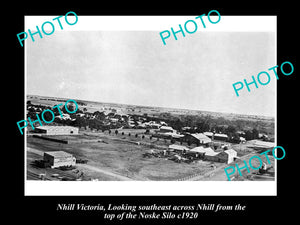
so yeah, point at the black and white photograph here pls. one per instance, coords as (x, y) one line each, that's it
(119, 105)
(182, 115)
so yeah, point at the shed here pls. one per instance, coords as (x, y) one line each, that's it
(165, 129)
(220, 137)
(227, 156)
(59, 158)
(261, 144)
(205, 153)
(178, 148)
(198, 138)
(56, 130)
(173, 135)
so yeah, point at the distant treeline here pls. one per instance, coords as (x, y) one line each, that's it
(250, 129)
(61, 100)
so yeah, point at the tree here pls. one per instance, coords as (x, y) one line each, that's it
(248, 135)
(70, 107)
(255, 134)
(235, 138)
(177, 124)
(231, 129)
(47, 116)
(99, 115)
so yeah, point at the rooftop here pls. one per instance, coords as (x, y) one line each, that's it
(201, 137)
(262, 144)
(207, 151)
(166, 128)
(56, 127)
(216, 134)
(230, 152)
(178, 147)
(59, 154)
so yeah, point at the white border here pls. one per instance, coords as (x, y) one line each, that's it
(151, 188)
(159, 23)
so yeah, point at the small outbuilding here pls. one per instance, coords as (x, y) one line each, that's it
(227, 156)
(205, 153)
(216, 136)
(166, 129)
(59, 158)
(178, 148)
(198, 138)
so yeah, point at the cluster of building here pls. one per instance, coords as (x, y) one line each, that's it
(203, 141)
(205, 153)
(193, 138)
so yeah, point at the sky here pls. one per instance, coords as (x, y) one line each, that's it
(134, 67)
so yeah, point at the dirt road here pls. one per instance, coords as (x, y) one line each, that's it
(89, 167)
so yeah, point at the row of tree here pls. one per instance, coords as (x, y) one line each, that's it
(188, 123)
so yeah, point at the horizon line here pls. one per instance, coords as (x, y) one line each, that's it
(253, 115)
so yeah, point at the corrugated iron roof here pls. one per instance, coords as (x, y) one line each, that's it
(230, 152)
(207, 151)
(178, 147)
(56, 127)
(59, 154)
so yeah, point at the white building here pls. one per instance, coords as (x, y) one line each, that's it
(227, 156)
(198, 138)
(205, 153)
(57, 130)
(166, 129)
(178, 148)
(59, 158)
